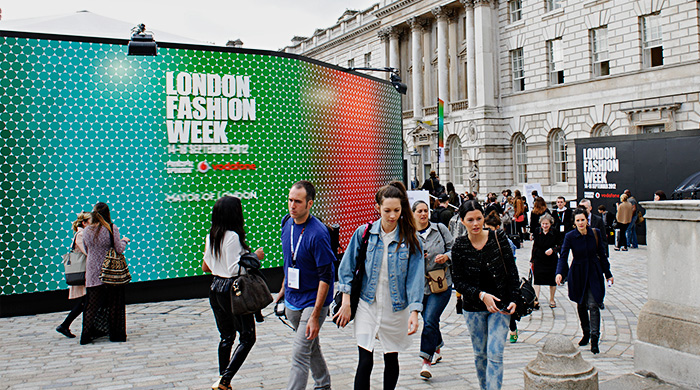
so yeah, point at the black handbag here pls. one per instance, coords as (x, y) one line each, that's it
(356, 283)
(249, 292)
(525, 301)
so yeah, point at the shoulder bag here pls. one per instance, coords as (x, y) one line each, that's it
(249, 292)
(74, 265)
(356, 283)
(437, 278)
(115, 271)
(526, 301)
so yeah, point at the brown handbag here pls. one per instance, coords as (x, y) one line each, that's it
(115, 271)
(436, 281)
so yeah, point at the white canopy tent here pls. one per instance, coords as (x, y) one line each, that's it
(88, 24)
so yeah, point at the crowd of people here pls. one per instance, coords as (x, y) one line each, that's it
(404, 267)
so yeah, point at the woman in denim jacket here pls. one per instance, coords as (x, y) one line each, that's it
(437, 246)
(392, 286)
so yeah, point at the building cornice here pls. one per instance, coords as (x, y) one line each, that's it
(345, 37)
(393, 7)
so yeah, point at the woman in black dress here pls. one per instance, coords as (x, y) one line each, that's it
(545, 248)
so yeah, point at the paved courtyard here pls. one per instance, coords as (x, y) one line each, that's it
(174, 344)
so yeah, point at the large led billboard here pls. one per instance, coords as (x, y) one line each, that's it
(161, 138)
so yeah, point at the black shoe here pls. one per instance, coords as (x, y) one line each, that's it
(584, 339)
(594, 345)
(65, 331)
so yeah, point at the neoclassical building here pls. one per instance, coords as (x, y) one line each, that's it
(522, 79)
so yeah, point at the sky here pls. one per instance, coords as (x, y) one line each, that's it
(260, 24)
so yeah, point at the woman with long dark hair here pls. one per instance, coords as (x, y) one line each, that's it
(437, 245)
(392, 286)
(105, 308)
(539, 208)
(484, 272)
(223, 249)
(585, 275)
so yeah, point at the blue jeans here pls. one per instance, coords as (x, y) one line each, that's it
(431, 338)
(631, 232)
(488, 333)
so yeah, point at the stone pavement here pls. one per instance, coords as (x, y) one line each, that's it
(174, 344)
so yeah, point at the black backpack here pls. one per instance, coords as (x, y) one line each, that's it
(333, 230)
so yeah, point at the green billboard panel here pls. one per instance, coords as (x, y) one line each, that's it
(161, 138)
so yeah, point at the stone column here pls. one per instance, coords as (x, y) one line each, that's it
(560, 366)
(383, 34)
(483, 40)
(416, 25)
(428, 82)
(453, 45)
(471, 71)
(668, 330)
(442, 14)
(394, 61)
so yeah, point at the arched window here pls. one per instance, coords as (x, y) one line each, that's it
(558, 156)
(601, 130)
(520, 158)
(455, 160)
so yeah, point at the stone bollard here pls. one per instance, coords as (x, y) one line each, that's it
(559, 365)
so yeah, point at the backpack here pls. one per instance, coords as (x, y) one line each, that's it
(333, 230)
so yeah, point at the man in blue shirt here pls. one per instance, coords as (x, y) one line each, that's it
(308, 285)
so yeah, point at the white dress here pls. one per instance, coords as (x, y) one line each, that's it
(377, 320)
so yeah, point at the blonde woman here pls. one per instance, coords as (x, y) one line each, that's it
(76, 293)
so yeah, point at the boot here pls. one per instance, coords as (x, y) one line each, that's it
(594, 345)
(584, 339)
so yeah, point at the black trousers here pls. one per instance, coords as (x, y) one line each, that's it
(228, 325)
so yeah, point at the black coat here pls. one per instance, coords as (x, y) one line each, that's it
(588, 266)
(597, 222)
(544, 267)
(565, 218)
(490, 269)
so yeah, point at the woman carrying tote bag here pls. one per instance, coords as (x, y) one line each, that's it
(224, 246)
(76, 293)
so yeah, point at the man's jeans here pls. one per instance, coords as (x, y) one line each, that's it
(631, 232)
(307, 353)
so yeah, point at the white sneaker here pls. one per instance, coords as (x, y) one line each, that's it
(425, 371)
(437, 357)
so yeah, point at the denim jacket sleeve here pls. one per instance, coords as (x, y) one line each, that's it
(415, 280)
(348, 264)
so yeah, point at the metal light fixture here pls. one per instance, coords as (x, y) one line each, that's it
(395, 78)
(415, 160)
(142, 43)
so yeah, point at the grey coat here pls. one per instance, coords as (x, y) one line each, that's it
(438, 241)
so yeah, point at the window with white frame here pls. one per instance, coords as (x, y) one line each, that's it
(351, 63)
(601, 130)
(554, 4)
(515, 8)
(455, 148)
(520, 158)
(599, 44)
(555, 61)
(368, 60)
(518, 74)
(652, 43)
(558, 156)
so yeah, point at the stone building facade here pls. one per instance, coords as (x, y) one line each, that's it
(522, 79)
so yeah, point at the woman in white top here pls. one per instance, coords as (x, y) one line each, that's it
(76, 293)
(392, 286)
(223, 249)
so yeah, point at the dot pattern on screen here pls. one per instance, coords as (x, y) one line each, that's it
(82, 122)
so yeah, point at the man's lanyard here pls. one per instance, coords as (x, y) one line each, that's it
(295, 250)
